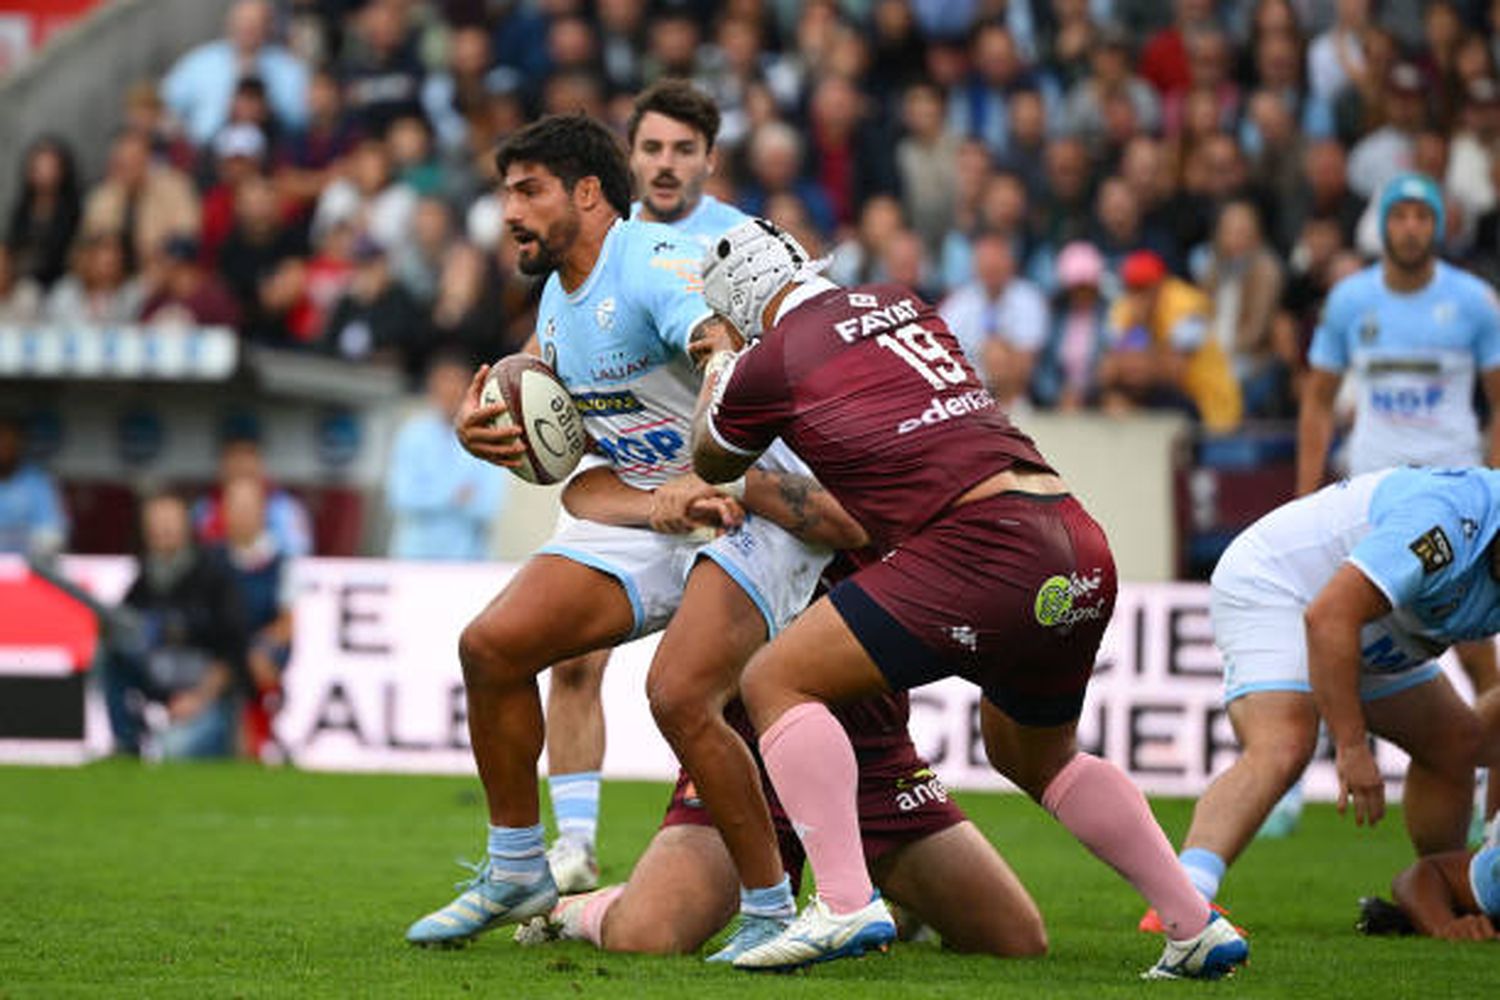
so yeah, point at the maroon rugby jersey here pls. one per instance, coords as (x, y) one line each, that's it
(870, 387)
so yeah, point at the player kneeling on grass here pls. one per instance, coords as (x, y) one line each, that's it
(924, 853)
(990, 571)
(1338, 605)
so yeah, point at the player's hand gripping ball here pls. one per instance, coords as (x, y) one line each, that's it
(537, 402)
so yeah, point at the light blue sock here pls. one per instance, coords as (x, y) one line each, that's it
(772, 901)
(575, 803)
(1205, 869)
(517, 854)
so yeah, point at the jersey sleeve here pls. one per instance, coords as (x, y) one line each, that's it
(1415, 548)
(1330, 343)
(1486, 308)
(665, 274)
(752, 402)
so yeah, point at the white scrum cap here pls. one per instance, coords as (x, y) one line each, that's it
(745, 269)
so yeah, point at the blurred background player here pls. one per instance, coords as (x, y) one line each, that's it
(671, 133)
(990, 571)
(1416, 333)
(619, 311)
(442, 502)
(1336, 605)
(32, 519)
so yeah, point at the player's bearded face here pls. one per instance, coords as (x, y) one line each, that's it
(541, 251)
(1410, 235)
(540, 216)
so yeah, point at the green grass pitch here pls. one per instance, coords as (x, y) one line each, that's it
(118, 880)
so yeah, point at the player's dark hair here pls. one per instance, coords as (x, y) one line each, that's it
(681, 101)
(572, 147)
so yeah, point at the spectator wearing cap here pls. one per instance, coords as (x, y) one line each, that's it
(239, 153)
(1000, 319)
(1472, 153)
(1388, 150)
(143, 201)
(368, 198)
(1161, 353)
(1067, 366)
(184, 292)
(375, 319)
(200, 85)
(1245, 280)
(98, 289)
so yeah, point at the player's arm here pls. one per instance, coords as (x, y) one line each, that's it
(1435, 894)
(1333, 621)
(1315, 427)
(803, 507)
(1491, 382)
(1327, 360)
(676, 507)
(714, 458)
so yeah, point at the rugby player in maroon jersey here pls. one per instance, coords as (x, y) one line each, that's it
(990, 571)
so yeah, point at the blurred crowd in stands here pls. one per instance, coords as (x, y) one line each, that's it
(1076, 181)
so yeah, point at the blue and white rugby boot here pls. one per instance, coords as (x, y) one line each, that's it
(484, 904)
(820, 935)
(1213, 953)
(753, 931)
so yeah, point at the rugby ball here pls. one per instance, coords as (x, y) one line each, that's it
(537, 402)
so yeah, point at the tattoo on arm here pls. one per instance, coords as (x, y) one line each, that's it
(797, 492)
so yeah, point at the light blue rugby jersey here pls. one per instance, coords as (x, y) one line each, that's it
(1421, 536)
(1415, 357)
(619, 343)
(706, 223)
(1428, 550)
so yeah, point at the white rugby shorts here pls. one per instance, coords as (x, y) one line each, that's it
(776, 570)
(1261, 636)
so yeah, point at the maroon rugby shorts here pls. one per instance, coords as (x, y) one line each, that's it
(1011, 592)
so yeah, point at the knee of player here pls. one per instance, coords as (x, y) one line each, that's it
(1285, 754)
(1027, 940)
(484, 654)
(679, 706)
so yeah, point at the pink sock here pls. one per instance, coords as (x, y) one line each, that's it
(1102, 808)
(811, 763)
(591, 922)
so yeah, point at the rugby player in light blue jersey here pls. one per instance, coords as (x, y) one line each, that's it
(618, 312)
(671, 135)
(1337, 605)
(1414, 333)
